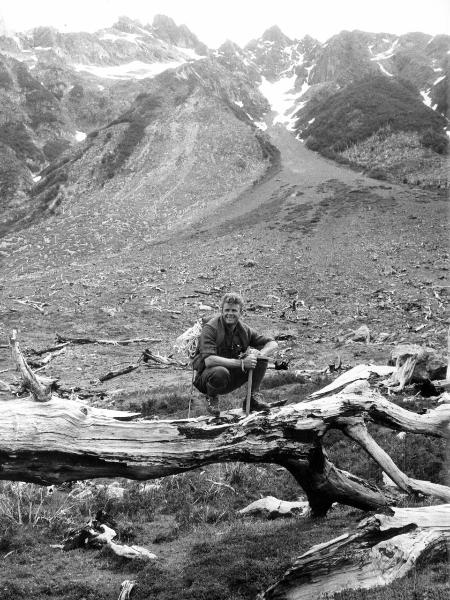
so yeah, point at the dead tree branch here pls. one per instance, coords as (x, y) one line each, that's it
(87, 340)
(40, 392)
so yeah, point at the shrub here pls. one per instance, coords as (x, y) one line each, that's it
(362, 108)
(76, 94)
(377, 173)
(113, 160)
(435, 140)
(54, 148)
(15, 135)
(6, 81)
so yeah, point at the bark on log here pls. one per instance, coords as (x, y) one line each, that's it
(383, 548)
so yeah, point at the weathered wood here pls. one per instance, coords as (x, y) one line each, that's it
(414, 364)
(65, 440)
(130, 552)
(382, 548)
(40, 392)
(354, 374)
(118, 372)
(40, 362)
(126, 589)
(356, 429)
(273, 508)
(50, 349)
(89, 340)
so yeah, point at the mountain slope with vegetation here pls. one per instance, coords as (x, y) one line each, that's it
(56, 88)
(373, 110)
(182, 147)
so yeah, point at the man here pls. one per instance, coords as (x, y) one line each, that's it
(221, 361)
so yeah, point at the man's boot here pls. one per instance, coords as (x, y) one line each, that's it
(212, 405)
(257, 403)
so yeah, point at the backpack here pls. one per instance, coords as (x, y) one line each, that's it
(187, 342)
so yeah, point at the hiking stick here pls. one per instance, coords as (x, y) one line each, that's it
(249, 392)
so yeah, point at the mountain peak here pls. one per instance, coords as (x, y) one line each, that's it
(274, 34)
(229, 47)
(168, 31)
(126, 25)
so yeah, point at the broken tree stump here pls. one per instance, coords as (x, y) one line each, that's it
(383, 548)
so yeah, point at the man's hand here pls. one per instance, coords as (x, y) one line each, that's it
(250, 361)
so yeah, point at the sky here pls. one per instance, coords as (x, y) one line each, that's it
(214, 21)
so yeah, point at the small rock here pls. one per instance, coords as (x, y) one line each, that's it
(362, 334)
(383, 336)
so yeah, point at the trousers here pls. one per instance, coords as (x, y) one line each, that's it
(216, 381)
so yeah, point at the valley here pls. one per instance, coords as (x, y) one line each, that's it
(354, 250)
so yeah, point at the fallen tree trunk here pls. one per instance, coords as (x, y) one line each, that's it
(64, 339)
(56, 440)
(64, 440)
(382, 549)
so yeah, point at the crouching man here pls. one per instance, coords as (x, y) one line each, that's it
(221, 363)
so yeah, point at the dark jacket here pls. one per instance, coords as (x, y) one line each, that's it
(214, 341)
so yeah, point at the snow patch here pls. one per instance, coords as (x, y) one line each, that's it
(281, 98)
(135, 69)
(80, 136)
(37, 178)
(426, 99)
(439, 79)
(311, 121)
(387, 53)
(261, 125)
(239, 103)
(385, 71)
(123, 37)
(189, 52)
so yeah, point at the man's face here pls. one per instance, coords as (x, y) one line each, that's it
(231, 313)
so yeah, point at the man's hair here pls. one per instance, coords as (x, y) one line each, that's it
(232, 298)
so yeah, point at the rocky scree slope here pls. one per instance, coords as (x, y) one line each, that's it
(33, 127)
(182, 148)
(54, 86)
